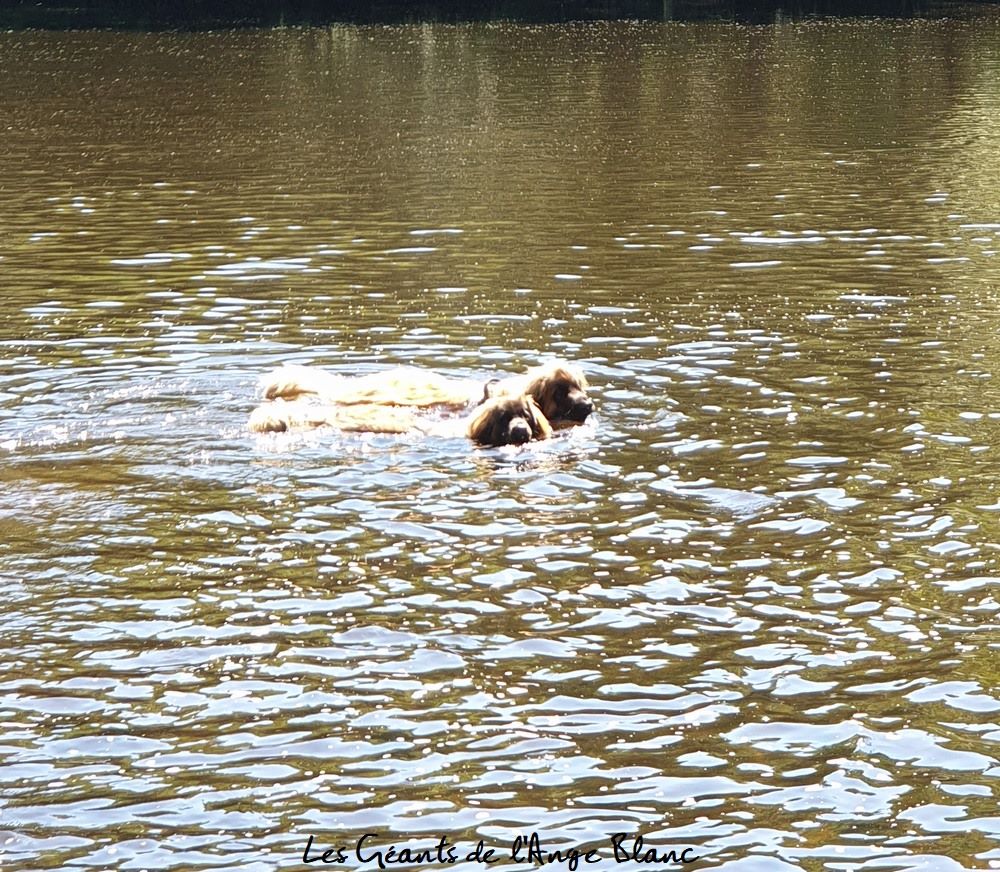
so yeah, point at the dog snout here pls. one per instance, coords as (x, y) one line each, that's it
(581, 408)
(519, 432)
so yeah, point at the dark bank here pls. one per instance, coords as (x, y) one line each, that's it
(196, 14)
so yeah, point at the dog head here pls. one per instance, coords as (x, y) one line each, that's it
(560, 390)
(508, 421)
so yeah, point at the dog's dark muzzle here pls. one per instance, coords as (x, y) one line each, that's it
(519, 432)
(580, 408)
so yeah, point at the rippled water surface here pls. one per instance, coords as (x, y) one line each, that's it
(751, 608)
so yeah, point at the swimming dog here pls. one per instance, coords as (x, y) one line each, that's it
(559, 389)
(500, 420)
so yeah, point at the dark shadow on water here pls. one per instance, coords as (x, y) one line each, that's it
(203, 14)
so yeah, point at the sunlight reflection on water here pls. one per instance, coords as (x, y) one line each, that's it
(747, 608)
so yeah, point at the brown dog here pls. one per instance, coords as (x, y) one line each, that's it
(278, 416)
(558, 389)
(507, 421)
(403, 386)
(495, 422)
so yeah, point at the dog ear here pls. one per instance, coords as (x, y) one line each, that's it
(542, 392)
(490, 390)
(497, 422)
(540, 427)
(480, 424)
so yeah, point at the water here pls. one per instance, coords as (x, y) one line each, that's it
(749, 609)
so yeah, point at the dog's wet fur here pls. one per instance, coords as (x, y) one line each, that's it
(558, 389)
(496, 422)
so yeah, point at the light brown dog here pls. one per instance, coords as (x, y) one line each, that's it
(495, 422)
(558, 389)
(403, 386)
(279, 416)
(507, 421)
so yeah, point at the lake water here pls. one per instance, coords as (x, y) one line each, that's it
(751, 608)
